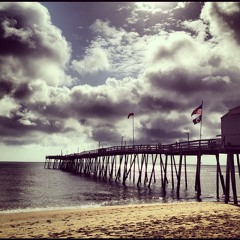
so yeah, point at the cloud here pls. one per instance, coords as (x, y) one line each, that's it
(7, 105)
(103, 29)
(106, 133)
(94, 61)
(160, 75)
(122, 52)
(223, 18)
(31, 44)
(33, 57)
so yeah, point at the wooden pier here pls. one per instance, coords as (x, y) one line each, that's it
(135, 162)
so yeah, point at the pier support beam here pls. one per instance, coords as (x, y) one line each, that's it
(238, 164)
(119, 169)
(140, 170)
(185, 170)
(165, 176)
(172, 156)
(230, 172)
(233, 179)
(179, 175)
(219, 175)
(198, 177)
(153, 171)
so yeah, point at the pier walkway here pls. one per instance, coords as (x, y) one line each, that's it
(135, 162)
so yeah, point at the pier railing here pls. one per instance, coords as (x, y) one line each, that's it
(187, 146)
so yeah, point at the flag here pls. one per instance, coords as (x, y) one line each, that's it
(130, 114)
(197, 119)
(198, 110)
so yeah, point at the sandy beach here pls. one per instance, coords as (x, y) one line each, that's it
(169, 220)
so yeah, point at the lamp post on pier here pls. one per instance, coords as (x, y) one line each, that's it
(187, 135)
(129, 115)
(188, 139)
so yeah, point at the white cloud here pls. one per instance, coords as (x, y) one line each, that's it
(197, 26)
(34, 47)
(96, 60)
(103, 28)
(7, 105)
(218, 15)
(223, 19)
(125, 50)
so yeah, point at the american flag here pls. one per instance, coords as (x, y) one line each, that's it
(130, 114)
(198, 110)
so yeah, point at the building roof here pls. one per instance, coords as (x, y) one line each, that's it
(233, 111)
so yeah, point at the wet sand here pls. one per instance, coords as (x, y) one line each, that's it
(168, 220)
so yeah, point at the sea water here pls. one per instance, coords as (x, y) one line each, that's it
(27, 186)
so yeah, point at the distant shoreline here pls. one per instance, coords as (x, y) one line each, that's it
(168, 220)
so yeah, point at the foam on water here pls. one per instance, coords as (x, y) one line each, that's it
(21, 210)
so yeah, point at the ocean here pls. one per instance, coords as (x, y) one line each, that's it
(27, 186)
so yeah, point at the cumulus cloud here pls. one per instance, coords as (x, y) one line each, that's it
(161, 76)
(94, 61)
(31, 48)
(103, 28)
(7, 105)
(33, 57)
(223, 19)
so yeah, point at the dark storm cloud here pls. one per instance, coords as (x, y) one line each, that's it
(163, 129)
(101, 110)
(148, 103)
(24, 122)
(157, 135)
(14, 127)
(106, 133)
(5, 87)
(54, 110)
(227, 95)
(22, 91)
(177, 80)
(98, 104)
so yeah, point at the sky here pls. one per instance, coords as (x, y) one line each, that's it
(71, 72)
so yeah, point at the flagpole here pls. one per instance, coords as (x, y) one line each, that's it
(201, 122)
(129, 115)
(133, 129)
